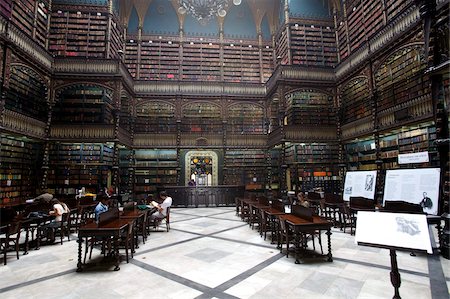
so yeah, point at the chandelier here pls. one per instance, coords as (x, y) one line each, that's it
(203, 10)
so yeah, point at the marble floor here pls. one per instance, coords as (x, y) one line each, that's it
(211, 253)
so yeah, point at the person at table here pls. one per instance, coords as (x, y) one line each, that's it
(302, 200)
(102, 206)
(161, 209)
(59, 208)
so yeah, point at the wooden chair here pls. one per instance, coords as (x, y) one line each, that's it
(307, 214)
(143, 227)
(12, 237)
(284, 236)
(127, 241)
(157, 222)
(315, 202)
(333, 206)
(358, 203)
(64, 228)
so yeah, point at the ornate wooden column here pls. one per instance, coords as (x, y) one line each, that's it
(46, 148)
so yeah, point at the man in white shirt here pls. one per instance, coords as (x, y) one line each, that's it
(162, 208)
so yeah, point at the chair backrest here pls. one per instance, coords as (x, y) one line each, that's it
(314, 196)
(14, 228)
(168, 215)
(109, 215)
(278, 205)
(333, 198)
(129, 205)
(402, 207)
(362, 203)
(302, 212)
(283, 225)
(263, 200)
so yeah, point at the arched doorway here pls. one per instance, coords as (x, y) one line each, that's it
(202, 166)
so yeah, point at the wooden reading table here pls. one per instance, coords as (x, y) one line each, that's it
(302, 221)
(109, 226)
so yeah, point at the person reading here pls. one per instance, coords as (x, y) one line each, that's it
(161, 209)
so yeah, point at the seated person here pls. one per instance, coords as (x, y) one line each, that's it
(161, 211)
(59, 208)
(101, 207)
(302, 200)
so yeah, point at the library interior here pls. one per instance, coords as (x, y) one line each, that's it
(224, 148)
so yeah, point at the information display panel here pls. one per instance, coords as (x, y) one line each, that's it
(418, 186)
(360, 183)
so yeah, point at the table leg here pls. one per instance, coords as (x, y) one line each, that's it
(116, 251)
(395, 275)
(26, 240)
(79, 265)
(330, 256)
(297, 244)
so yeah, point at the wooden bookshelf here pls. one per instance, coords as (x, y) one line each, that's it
(6, 8)
(356, 102)
(396, 7)
(267, 62)
(281, 48)
(342, 35)
(373, 17)
(355, 20)
(23, 15)
(201, 60)
(116, 37)
(310, 107)
(315, 164)
(153, 168)
(389, 150)
(132, 57)
(275, 168)
(126, 170)
(160, 58)
(155, 117)
(361, 154)
(26, 94)
(83, 104)
(78, 33)
(76, 165)
(201, 117)
(126, 111)
(245, 119)
(399, 79)
(246, 167)
(19, 168)
(312, 44)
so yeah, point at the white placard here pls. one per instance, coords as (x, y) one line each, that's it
(418, 186)
(8, 183)
(360, 183)
(146, 181)
(66, 182)
(408, 231)
(421, 157)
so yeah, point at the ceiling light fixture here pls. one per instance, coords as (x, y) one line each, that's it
(204, 10)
